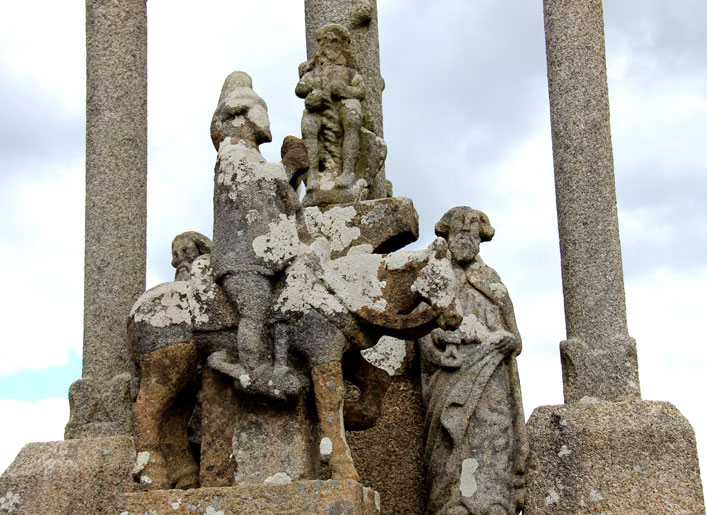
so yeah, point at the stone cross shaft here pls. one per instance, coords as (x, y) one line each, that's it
(599, 357)
(116, 212)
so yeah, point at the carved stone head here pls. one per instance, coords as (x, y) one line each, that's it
(464, 228)
(241, 114)
(186, 247)
(333, 42)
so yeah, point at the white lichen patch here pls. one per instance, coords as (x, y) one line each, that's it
(587, 399)
(142, 459)
(10, 501)
(210, 510)
(595, 496)
(437, 281)
(245, 380)
(499, 289)
(552, 497)
(325, 448)
(304, 290)
(281, 478)
(398, 260)
(354, 280)
(252, 216)
(564, 451)
(467, 480)
(364, 248)
(175, 505)
(240, 164)
(334, 225)
(389, 354)
(164, 305)
(145, 480)
(281, 243)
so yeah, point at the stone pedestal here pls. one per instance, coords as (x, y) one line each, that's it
(612, 457)
(251, 440)
(310, 497)
(85, 475)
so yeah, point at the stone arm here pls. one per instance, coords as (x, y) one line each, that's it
(356, 90)
(305, 86)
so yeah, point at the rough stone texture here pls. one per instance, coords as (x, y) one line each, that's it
(388, 456)
(475, 438)
(116, 177)
(600, 354)
(311, 497)
(164, 457)
(360, 17)
(270, 439)
(85, 475)
(258, 232)
(344, 157)
(372, 226)
(218, 419)
(613, 458)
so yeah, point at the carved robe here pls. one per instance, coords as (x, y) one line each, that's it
(255, 214)
(475, 441)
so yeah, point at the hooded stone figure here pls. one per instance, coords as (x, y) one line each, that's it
(258, 224)
(475, 441)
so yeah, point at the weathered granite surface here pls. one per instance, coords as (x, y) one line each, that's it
(86, 475)
(116, 210)
(372, 226)
(599, 357)
(389, 455)
(360, 18)
(613, 458)
(344, 157)
(316, 497)
(475, 438)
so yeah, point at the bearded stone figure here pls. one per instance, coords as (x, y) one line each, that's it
(475, 440)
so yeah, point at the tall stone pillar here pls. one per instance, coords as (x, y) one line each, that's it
(599, 358)
(116, 177)
(605, 450)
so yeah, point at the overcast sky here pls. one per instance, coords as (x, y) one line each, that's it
(466, 120)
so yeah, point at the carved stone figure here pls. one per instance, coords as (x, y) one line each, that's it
(475, 441)
(292, 307)
(337, 144)
(160, 337)
(256, 232)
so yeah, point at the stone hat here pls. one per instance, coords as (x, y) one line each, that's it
(337, 29)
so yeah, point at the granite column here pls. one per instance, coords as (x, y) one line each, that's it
(604, 450)
(115, 230)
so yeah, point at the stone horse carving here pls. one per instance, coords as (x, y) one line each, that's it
(173, 323)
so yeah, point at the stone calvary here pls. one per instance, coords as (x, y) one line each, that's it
(302, 361)
(238, 362)
(250, 336)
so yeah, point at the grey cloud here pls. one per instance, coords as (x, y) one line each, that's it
(35, 127)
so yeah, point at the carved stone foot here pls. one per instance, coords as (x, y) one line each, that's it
(151, 471)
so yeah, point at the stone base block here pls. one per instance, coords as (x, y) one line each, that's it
(310, 497)
(378, 226)
(74, 476)
(100, 407)
(612, 457)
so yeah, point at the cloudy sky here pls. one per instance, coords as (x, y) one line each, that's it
(466, 122)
